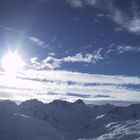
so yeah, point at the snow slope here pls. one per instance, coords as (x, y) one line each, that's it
(21, 127)
(124, 130)
(61, 120)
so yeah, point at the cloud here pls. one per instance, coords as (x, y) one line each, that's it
(51, 62)
(47, 63)
(127, 21)
(81, 3)
(134, 25)
(39, 84)
(90, 2)
(103, 96)
(51, 54)
(113, 102)
(87, 58)
(99, 15)
(37, 41)
(102, 54)
(34, 40)
(6, 28)
(78, 95)
(131, 23)
(54, 39)
(82, 78)
(121, 49)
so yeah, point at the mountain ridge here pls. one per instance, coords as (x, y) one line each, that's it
(62, 120)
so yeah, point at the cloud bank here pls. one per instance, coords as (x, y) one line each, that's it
(49, 85)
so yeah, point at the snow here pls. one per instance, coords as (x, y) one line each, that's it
(99, 117)
(21, 127)
(22, 115)
(126, 130)
(61, 120)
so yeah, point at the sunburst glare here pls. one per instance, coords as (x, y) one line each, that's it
(12, 63)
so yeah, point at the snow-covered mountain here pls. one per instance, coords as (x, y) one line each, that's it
(61, 120)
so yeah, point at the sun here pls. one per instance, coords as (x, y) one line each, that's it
(12, 63)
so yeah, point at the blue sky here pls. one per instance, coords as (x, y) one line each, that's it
(88, 49)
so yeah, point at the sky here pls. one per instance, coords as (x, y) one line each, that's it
(72, 49)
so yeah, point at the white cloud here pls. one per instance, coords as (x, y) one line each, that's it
(34, 60)
(129, 22)
(87, 58)
(39, 84)
(121, 49)
(37, 41)
(51, 54)
(51, 62)
(134, 25)
(82, 78)
(47, 63)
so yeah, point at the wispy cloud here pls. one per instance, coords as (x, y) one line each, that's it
(129, 21)
(83, 78)
(121, 49)
(6, 28)
(37, 41)
(54, 39)
(68, 85)
(100, 15)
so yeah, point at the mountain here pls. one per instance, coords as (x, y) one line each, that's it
(122, 130)
(22, 127)
(62, 120)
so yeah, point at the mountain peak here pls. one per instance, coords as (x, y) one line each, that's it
(32, 102)
(79, 102)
